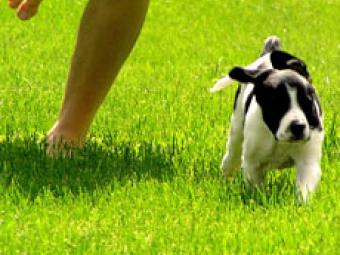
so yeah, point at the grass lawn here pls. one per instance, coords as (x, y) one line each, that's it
(148, 180)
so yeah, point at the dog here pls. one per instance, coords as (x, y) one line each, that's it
(276, 121)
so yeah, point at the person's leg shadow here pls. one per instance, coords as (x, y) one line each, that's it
(25, 166)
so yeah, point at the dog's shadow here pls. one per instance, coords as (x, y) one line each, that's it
(25, 166)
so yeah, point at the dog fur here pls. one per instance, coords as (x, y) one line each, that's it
(277, 120)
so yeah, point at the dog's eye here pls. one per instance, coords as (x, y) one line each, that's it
(310, 93)
(309, 97)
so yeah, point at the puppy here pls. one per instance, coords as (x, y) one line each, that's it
(277, 120)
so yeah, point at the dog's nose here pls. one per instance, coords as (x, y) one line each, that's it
(297, 128)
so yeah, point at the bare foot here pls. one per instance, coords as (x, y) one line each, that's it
(26, 9)
(61, 142)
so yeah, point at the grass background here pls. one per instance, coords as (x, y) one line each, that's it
(148, 180)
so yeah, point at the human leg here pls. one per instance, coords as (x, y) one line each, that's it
(107, 33)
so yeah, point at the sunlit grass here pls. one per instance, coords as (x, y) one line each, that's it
(148, 179)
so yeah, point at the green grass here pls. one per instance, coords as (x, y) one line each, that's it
(148, 180)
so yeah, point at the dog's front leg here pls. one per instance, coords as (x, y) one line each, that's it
(308, 177)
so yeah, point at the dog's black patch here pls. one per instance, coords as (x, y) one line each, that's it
(274, 103)
(309, 102)
(272, 98)
(306, 96)
(282, 60)
(243, 75)
(271, 91)
(248, 101)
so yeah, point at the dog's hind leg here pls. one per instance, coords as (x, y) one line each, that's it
(231, 162)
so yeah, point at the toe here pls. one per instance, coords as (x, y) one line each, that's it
(28, 9)
(14, 3)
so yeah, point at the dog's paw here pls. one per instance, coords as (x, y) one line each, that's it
(304, 195)
(229, 169)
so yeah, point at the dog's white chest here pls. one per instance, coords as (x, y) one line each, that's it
(260, 149)
(278, 156)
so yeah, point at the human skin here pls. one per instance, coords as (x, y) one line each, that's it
(107, 34)
(25, 8)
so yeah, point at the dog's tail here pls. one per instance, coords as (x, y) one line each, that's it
(221, 84)
(270, 44)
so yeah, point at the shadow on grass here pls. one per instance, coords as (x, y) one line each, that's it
(25, 168)
(24, 164)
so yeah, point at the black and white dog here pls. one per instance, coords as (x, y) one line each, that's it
(277, 120)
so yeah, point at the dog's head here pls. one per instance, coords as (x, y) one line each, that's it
(289, 104)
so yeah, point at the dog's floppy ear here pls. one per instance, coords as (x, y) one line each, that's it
(236, 74)
(283, 60)
(243, 75)
(249, 75)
